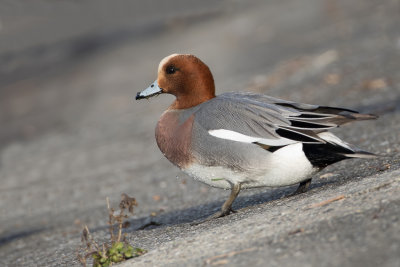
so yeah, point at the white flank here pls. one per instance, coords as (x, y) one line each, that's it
(235, 136)
(290, 165)
(286, 166)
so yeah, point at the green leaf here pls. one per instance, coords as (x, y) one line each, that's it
(118, 245)
(117, 258)
(139, 251)
(128, 255)
(103, 260)
(112, 251)
(96, 256)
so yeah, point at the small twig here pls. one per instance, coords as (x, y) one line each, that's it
(92, 241)
(110, 220)
(119, 229)
(298, 230)
(106, 254)
(81, 258)
(211, 260)
(326, 202)
(108, 203)
(104, 251)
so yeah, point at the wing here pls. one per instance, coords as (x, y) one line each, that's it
(253, 118)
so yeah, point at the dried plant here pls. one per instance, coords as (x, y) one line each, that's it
(118, 249)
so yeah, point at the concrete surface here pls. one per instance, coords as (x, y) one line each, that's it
(72, 135)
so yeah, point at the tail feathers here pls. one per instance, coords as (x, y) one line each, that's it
(360, 116)
(347, 117)
(349, 151)
(361, 154)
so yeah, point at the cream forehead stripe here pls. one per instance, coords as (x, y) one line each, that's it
(165, 60)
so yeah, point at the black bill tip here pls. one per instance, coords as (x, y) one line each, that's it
(138, 96)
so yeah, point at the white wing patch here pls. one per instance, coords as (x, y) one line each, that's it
(235, 136)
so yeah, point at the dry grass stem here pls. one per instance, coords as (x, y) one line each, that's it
(326, 202)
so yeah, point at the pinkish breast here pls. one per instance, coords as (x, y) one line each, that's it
(174, 138)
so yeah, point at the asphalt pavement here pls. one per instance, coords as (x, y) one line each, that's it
(72, 134)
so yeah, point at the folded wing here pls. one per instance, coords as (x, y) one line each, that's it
(268, 121)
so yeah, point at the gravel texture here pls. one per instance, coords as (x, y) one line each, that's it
(71, 133)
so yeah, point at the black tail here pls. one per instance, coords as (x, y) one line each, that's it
(322, 155)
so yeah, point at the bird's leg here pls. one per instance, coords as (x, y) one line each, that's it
(226, 208)
(303, 187)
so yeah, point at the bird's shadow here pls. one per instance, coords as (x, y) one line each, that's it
(200, 212)
(343, 174)
(8, 238)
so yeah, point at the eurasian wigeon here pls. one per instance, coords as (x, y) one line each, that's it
(244, 140)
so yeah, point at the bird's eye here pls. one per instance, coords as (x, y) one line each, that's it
(171, 69)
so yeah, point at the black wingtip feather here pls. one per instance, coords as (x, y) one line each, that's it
(298, 136)
(309, 125)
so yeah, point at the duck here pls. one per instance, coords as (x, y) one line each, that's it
(241, 140)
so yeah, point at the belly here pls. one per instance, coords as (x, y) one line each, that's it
(286, 166)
